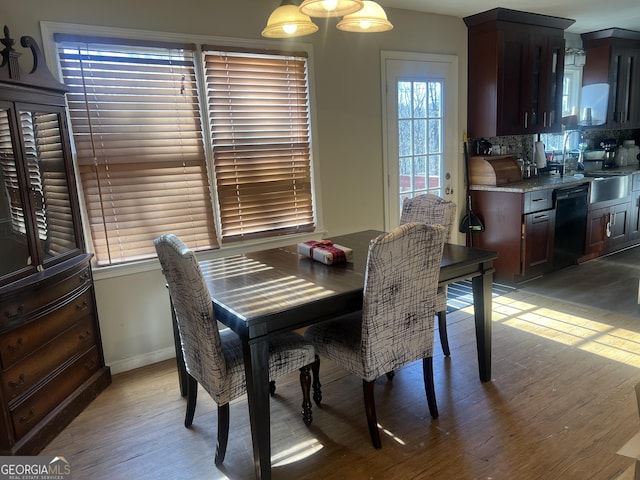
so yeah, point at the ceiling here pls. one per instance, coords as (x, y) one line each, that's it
(590, 15)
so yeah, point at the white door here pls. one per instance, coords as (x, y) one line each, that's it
(420, 127)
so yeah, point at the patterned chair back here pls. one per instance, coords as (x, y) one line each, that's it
(199, 335)
(429, 209)
(403, 267)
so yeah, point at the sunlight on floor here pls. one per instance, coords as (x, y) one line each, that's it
(607, 341)
(298, 452)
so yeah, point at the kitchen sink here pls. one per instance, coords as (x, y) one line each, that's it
(608, 186)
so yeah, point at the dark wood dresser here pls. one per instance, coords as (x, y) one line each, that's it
(51, 360)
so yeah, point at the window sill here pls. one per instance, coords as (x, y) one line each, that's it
(101, 273)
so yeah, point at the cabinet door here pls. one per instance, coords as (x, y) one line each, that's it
(598, 231)
(634, 217)
(619, 225)
(551, 84)
(538, 242)
(513, 103)
(51, 184)
(16, 259)
(624, 79)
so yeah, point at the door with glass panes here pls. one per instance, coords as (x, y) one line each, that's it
(420, 124)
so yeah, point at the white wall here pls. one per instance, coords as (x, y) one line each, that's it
(133, 309)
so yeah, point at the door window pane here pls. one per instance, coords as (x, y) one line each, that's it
(420, 137)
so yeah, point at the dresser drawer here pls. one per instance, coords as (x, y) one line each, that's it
(20, 342)
(32, 369)
(37, 300)
(32, 409)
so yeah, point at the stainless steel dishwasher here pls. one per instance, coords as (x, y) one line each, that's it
(571, 223)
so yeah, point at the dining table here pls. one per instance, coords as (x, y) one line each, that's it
(266, 292)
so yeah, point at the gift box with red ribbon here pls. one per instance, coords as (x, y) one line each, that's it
(325, 251)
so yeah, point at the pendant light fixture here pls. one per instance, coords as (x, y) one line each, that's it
(288, 21)
(371, 18)
(330, 8)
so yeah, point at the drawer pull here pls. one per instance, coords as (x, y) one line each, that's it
(91, 364)
(82, 306)
(32, 415)
(19, 311)
(19, 383)
(17, 347)
(85, 336)
(84, 277)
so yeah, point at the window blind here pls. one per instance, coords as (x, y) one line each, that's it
(138, 138)
(259, 115)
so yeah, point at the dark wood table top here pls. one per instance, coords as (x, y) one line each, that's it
(277, 289)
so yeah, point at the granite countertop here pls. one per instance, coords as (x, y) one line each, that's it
(546, 181)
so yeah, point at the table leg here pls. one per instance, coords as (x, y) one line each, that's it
(256, 365)
(482, 293)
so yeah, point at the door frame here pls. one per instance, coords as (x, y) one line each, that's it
(452, 142)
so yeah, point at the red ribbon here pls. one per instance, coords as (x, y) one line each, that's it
(327, 246)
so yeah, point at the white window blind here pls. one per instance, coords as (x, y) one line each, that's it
(259, 114)
(138, 137)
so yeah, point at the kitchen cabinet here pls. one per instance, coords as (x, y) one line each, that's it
(612, 57)
(516, 68)
(51, 359)
(607, 229)
(634, 208)
(520, 227)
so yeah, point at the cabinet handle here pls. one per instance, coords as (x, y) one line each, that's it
(526, 119)
(544, 215)
(17, 347)
(84, 277)
(82, 306)
(32, 415)
(19, 311)
(544, 119)
(19, 383)
(613, 222)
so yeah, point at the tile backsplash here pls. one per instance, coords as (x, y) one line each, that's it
(521, 146)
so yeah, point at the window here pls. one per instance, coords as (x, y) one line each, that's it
(155, 155)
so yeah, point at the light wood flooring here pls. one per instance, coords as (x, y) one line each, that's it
(560, 404)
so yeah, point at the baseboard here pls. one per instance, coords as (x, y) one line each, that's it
(126, 364)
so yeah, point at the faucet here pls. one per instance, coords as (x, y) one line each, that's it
(567, 134)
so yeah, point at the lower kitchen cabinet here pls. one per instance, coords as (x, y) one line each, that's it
(51, 358)
(607, 229)
(520, 227)
(537, 242)
(634, 208)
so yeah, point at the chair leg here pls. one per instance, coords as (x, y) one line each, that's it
(370, 410)
(390, 375)
(192, 396)
(317, 392)
(223, 433)
(427, 368)
(442, 330)
(305, 383)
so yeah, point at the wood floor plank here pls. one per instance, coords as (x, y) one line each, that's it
(556, 408)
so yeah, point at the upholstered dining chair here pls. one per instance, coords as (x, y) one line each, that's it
(213, 357)
(396, 324)
(433, 210)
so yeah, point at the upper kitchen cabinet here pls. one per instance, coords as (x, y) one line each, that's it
(516, 66)
(612, 57)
